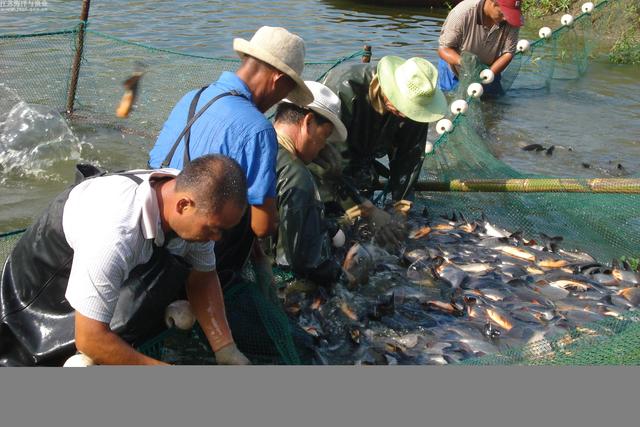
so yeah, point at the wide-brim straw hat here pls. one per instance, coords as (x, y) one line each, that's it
(327, 104)
(412, 87)
(282, 50)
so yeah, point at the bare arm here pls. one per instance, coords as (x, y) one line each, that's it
(501, 63)
(449, 55)
(96, 340)
(205, 295)
(264, 218)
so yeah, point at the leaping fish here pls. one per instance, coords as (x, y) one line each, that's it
(130, 93)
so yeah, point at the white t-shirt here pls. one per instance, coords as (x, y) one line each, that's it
(111, 223)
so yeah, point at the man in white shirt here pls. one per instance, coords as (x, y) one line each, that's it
(97, 269)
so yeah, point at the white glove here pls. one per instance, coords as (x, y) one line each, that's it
(230, 355)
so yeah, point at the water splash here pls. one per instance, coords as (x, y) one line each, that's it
(34, 139)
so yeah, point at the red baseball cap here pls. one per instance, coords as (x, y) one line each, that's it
(511, 11)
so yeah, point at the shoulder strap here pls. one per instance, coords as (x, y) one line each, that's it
(190, 121)
(86, 171)
(132, 177)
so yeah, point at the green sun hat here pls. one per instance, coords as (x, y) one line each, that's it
(412, 87)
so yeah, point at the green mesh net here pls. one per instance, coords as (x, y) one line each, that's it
(613, 341)
(603, 222)
(38, 67)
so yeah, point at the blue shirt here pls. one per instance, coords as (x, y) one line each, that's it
(232, 126)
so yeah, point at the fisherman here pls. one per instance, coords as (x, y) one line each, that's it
(303, 243)
(227, 117)
(386, 110)
(488, 29)
(96, 271)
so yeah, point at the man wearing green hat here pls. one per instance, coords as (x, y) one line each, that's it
(386, 110)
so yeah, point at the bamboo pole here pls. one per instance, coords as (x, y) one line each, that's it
(75, 67)
(532, 185)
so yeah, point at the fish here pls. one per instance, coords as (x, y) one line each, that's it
(533, 147)
(626, 276)
(517, 253)
(631, 294)
(348, 311)
(551, 243)
(500, 318)
(534, 271)
(442, 227)
(451, 273)
(131, 86)
(551, 292)
(553, 263)
(445, 307)
(476, 268)
(360, 260)
(420, 233)
(571, 285)
(493, 231)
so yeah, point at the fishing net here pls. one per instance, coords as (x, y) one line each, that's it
(39, 69)
(613, 341)
(260, 328)
(603, 222)
(600, 218)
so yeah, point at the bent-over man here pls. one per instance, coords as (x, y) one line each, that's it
(386, 109)
(303, 242)
(96, 271)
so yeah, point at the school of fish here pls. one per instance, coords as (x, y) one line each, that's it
(456, 289)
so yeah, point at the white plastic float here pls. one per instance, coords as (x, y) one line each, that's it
(523, 45)
(78, 361)
(444, 125)
(566, 20)
(475, 90)
(544, 33)
(587, 7)
(180, 315)
(459, 106)
(486, 76)
(428, 147)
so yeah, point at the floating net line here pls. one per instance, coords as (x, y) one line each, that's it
(605, 225)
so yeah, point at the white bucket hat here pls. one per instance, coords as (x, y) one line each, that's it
(327, 104)
(281, 49)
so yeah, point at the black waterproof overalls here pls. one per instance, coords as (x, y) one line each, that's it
(232, 251)
(37, 324)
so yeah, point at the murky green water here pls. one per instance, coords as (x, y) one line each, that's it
(593, 120)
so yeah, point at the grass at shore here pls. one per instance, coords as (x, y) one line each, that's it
(624, 47)
(540, 8)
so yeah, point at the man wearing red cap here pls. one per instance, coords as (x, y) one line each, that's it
(486, 28)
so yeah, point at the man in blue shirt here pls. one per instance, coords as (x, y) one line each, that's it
(227, 118)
